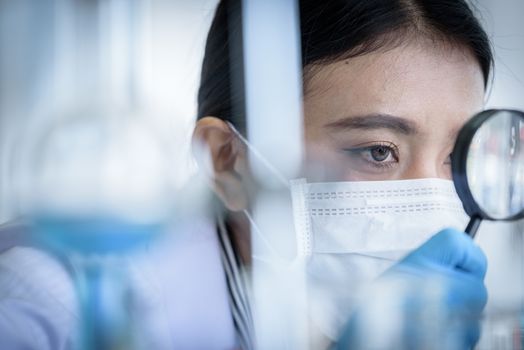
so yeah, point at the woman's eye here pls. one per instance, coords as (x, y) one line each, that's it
(375, 155)
(380, 153)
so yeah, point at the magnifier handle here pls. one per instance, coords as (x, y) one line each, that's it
(473, 226)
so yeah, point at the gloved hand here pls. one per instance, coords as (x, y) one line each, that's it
(433, 298)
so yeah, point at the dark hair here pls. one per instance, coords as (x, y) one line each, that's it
(333, 30)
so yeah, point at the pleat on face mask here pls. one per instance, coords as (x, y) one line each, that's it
(371, 216)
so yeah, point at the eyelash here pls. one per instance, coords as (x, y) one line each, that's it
(368, 147)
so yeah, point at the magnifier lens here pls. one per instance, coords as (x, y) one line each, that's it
(495, 165)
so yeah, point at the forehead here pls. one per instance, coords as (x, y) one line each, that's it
(424, 82)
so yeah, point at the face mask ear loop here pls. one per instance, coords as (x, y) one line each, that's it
(260, 157)
(278, 175)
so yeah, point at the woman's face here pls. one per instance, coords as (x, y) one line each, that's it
(390, 115)
(386, 115)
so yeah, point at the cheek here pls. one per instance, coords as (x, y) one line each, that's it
(322, 162)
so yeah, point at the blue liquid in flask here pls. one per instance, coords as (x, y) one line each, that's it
(93, 235)
(101, 286)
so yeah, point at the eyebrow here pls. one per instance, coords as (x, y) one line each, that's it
(375, 121)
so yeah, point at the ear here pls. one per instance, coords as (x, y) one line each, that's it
(218, 151)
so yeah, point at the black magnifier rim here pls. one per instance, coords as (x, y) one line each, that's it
(459, 164)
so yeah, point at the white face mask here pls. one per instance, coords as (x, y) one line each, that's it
(351, 232)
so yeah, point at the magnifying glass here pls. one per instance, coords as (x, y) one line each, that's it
(488, 167)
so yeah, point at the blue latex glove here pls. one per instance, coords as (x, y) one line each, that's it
(449, 261)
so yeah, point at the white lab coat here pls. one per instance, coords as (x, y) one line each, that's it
(179, 282)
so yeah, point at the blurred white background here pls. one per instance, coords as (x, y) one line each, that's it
(503, 21)
(32, 74)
